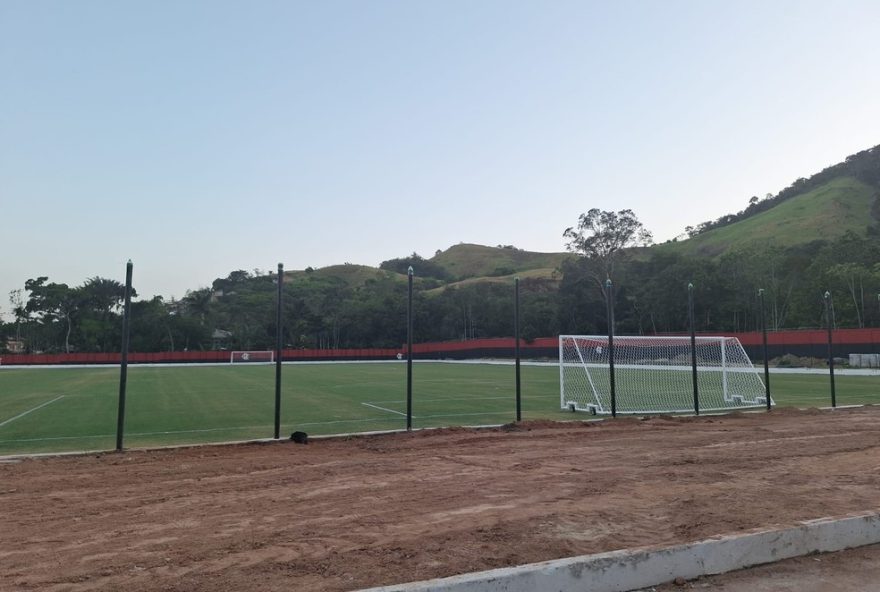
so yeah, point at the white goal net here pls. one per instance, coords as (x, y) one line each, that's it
(654, 375)
(252, 357)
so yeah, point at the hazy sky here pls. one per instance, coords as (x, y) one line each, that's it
(197, 138)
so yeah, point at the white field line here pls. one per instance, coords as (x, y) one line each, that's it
(436, 416)
(304, 424)
(230, 429)
(461, 414)
(20, 415)
(443, 400)
(384, 408)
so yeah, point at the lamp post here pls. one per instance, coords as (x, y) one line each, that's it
(609, 294)
(409, 346)
(829, 315)
(693, 348)
(516, 348)
(766, 361)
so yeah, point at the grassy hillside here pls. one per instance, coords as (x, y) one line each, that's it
(351, 275)
(546, 273)
(827, 212)
(464, 261)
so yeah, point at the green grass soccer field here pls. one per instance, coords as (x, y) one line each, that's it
(63, 409)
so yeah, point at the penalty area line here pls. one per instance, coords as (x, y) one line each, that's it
(20, 415)
(384, 408)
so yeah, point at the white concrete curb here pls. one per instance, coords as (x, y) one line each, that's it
(631, 569)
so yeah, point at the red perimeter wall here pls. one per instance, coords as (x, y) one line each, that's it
(812, 343)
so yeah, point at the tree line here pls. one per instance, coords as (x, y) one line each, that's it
(322, 311)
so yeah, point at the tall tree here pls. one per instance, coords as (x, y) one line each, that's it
(53, 304)
(602, 237)
(16, 299)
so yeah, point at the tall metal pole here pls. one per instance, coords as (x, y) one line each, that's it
(693, 348)
(609, 295)
(123, 370)
(516, 336)
(409, 340)
(829, 316)
(766, 361)
(278, 339)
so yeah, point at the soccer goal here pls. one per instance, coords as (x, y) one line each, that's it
(252, 357)
(655, 375)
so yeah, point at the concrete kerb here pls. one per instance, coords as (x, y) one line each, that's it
(632, 569)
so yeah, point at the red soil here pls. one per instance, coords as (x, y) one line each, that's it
(349, 513)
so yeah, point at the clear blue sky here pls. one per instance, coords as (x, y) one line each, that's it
(197, 138)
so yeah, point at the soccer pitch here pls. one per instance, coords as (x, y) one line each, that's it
(64, 409)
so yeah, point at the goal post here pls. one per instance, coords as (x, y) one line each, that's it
(654, 374)
(251, 357)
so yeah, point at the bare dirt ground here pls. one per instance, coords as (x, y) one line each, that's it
(349, 513)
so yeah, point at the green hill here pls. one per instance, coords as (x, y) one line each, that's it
(351, 275)
(465, 264)
(545, 274)
(826, 212)
(465, 261)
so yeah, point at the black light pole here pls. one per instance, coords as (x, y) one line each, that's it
(278, 339)
(693, 348)
(516, 336)
(123, 370)
(766, 361)
(829, 315)
(409, 340)
(609, 295)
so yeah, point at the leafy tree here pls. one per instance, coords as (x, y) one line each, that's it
(19, 310)
(602, 237)
(53, 304)
(100, 309)
(855, 280)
